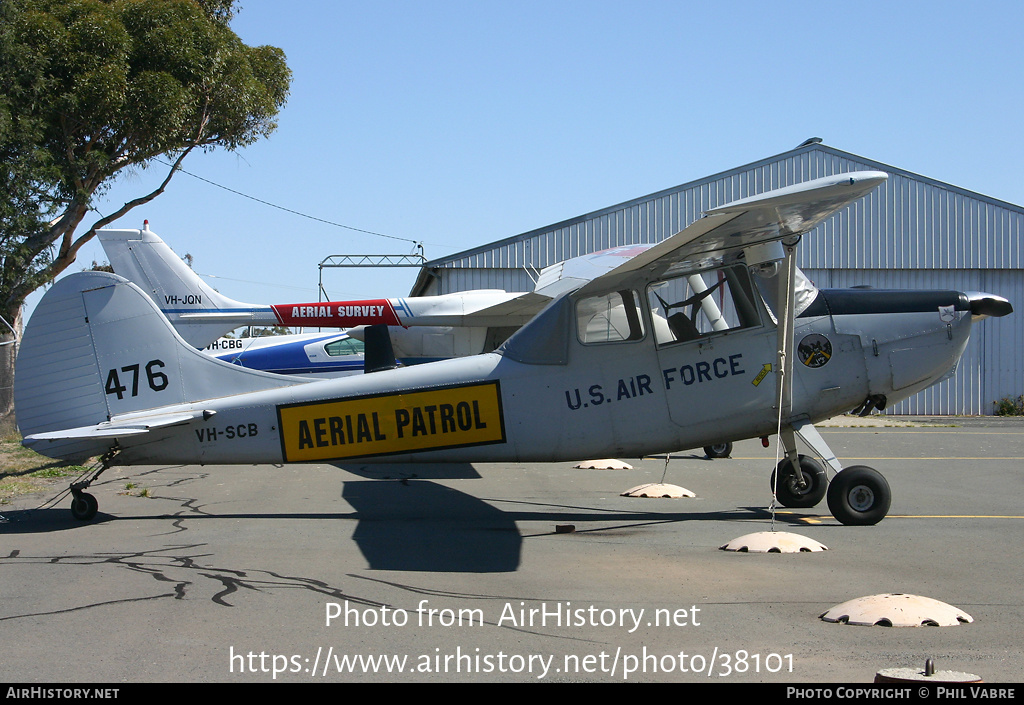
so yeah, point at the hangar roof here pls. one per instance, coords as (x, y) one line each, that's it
(912, 222)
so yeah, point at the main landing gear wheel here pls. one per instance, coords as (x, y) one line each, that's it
(84, 506)
(790, 492)
(719, 450)
(859, 496)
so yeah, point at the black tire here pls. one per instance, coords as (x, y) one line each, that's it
(859, 496)
(787, 491)
(84, 506)
(719, 450)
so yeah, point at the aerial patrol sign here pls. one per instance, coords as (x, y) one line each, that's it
(381, 424)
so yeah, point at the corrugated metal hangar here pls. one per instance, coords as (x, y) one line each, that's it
(912, 233)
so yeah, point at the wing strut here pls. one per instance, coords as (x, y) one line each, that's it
(784, 364)
(788, 427)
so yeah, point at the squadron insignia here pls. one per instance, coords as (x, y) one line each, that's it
(814, 350)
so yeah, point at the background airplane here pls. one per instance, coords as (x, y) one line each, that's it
(201, 314)
(634, 362)
(423, 329)
(314, 354)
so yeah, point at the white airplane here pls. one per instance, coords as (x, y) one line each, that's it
(708, 337)
(424, 329)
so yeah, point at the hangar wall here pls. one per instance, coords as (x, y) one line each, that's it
(912, 233)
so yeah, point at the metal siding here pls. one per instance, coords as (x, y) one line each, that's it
(909, 222)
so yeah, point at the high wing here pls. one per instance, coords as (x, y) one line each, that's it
(748, 229)
(757, 231)
(744, 230)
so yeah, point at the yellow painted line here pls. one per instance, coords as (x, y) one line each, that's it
(960, 430)
(953, 516)
(819, 519)
(847, 458)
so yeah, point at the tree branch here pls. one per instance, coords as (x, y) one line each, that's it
(65, 226)
(134, 203)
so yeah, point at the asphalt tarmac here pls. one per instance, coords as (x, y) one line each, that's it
(517, 573)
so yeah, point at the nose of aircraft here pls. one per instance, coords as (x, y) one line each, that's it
(984, 305)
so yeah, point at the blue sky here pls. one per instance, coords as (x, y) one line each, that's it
(458, 123)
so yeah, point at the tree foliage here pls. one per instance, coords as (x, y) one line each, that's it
(89, 88)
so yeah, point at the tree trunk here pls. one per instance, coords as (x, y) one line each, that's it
(8, 354)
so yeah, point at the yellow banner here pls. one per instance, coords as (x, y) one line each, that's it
(384, 424)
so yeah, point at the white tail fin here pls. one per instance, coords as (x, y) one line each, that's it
(141, 257)
(98, 350)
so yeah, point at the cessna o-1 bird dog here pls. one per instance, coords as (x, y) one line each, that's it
(707, 337)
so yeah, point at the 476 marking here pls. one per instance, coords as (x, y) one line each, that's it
(156, 379)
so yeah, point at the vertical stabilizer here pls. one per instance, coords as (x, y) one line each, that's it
(141, 257)
(97, 348)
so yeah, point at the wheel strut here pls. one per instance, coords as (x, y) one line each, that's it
(83, 505)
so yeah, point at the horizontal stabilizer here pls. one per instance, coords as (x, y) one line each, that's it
(235, 319)
(127, 425)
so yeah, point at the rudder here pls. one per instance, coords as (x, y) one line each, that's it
(141, 257)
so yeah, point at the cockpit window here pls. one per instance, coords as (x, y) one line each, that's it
(344, 346)
(697, 306)
(609, 318)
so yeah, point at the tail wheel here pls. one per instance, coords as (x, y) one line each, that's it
(719, 450)
(794, 494)
(859, 496)
(84, 506)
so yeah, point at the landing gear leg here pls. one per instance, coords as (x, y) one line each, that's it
(858, 495)
(83, 505)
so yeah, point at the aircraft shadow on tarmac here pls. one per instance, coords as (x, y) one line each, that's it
(420, 525)
(424, 526)
(411, 471)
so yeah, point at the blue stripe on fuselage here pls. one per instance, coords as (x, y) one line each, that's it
(291, 358)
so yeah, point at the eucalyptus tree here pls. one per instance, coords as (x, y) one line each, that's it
(93, 89)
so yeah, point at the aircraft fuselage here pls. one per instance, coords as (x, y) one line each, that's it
(617, 399)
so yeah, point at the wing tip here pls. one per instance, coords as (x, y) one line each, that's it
(854, 184)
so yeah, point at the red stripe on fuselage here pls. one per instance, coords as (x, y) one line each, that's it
(337, 314)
